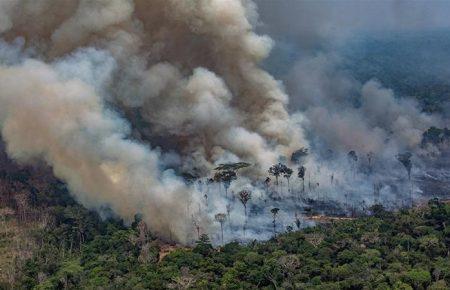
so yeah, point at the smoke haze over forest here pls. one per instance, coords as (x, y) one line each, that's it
(134, 104)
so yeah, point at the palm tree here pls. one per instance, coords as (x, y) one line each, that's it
(287, 174)
(226, 177)
(276, 171)
(274, 212)
(267, 184)
(301, 175)
(220, 218)
(244, 197)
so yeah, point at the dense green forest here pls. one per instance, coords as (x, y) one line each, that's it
(66, 246)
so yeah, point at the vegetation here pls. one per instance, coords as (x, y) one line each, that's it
(404, 250)
(48, 241)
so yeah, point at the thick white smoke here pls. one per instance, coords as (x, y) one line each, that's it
(121, 97)
(185, 72)
(65, 122)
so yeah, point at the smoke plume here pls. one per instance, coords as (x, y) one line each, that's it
(122, 97)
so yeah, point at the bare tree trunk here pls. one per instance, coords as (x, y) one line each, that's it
(221, 229)
(274, 227)
(410, 191)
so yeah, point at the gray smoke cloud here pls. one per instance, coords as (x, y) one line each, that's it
(187, 72)
(325, 23)
(340, 112)
(341, 109)
(120, 97)
(380, 122)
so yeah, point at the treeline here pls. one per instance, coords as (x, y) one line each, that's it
(404, 250)
(69, 247)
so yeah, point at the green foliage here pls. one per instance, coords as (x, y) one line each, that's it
(404, 250)
(232, 166)
(204, 246)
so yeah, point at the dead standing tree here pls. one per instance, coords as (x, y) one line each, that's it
(353, 159)
(189, 179)
(197, 228)
(370, 156)
(376, 192)
(298, 222)
(229, 209)
(220, 218)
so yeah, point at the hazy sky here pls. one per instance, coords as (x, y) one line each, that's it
(317, 23)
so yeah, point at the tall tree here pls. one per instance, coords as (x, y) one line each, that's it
(298, 222)
(274, 212)
(287, 173)
(276, 170)
(405, 160)
(225, 177)
(353, 159)
(267, 184)
(197, 228)
(376, 192)
(220, 218)
(229, 209)
(301, 175)
(244, 196)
